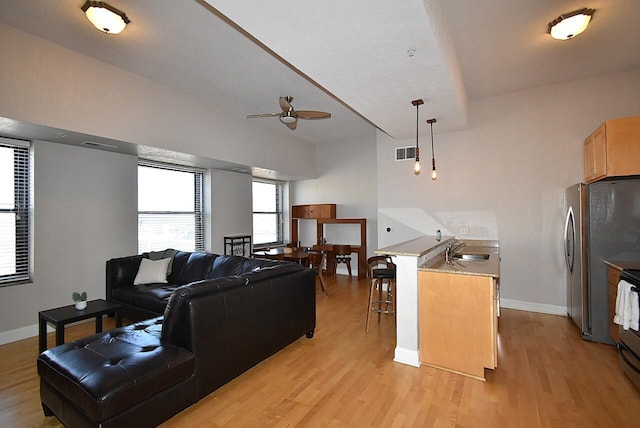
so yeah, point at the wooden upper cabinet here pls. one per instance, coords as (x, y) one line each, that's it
(613, 150)
(313, 211)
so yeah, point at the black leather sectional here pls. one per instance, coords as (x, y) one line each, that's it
(221, 316)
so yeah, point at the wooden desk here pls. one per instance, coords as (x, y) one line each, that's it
(300, 256)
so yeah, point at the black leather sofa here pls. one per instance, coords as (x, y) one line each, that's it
(212, 330)
(149, 300)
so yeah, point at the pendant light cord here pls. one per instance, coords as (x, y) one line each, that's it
(433, 154)
(417, 120)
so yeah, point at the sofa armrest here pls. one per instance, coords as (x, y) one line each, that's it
(121, 272)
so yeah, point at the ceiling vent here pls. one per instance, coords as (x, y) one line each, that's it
(405, 153)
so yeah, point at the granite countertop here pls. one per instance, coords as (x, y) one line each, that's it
(416, 247)
(490, 267)
(618, 264)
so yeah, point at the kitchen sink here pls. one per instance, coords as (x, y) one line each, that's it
(472, 257)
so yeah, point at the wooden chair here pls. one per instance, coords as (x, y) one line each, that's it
(381, 270)
(316, 262)
(341, 254)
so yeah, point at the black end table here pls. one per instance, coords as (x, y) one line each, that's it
(59, 317)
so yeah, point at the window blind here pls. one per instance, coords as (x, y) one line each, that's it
(268, 215)
(14, 211)
(170, 207)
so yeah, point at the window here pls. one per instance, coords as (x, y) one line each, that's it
(14, 211)
(170, 211)
(267, 212)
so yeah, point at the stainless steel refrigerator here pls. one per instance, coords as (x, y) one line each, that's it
(602, 223)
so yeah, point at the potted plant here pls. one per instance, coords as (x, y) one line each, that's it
(80, 299)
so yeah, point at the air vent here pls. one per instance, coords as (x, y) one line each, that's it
(405, 153)
(100, 145)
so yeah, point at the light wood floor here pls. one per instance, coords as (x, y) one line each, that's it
(546, 377)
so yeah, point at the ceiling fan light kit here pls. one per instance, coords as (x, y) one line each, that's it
(286, 119)
(571, 24)
(289, 116)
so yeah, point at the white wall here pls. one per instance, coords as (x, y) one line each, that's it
(504, 178)
(85, 213)
(347, 178)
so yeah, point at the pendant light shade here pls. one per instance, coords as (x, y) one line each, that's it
(569, 25)
(105, 17)
(416, 166)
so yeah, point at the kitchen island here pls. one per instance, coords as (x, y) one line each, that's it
(430, 293)
(459, 309)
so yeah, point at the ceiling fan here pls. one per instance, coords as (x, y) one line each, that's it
(289, 116)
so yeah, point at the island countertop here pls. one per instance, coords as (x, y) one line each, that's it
(416, 247)
(490, 267)
(620, 265)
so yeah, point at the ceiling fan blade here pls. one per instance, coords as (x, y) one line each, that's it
(285, 103)
(253, 116)
(312, 115)
(292, 126)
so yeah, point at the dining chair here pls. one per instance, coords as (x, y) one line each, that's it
(341, 254)
(316, 262)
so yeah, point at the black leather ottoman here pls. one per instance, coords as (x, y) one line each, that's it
(124, 377)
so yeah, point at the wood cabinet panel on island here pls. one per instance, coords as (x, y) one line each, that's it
(613, 150)
(458, 322)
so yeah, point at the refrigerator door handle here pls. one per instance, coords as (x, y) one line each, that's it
(569, 240)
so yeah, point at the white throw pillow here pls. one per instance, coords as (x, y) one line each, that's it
(152, 272)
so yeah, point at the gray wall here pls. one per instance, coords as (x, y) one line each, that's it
(85, 212)
(46, 84)
(230, 208)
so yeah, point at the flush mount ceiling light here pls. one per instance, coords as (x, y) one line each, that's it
(104, 17)
(569, 25)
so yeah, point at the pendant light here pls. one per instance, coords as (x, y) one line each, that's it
(416, 166)
(434, 174)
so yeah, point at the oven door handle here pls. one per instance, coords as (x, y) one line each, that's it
(621, 348)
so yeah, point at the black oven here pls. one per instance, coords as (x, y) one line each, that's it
(629, 346)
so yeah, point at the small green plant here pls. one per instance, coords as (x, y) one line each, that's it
(79, 297)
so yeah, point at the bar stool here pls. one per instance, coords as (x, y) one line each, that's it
(341, 254)
(382, 271)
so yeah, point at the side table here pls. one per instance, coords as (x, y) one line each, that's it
(59, 317)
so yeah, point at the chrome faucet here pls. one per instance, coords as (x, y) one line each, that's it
(451, 248)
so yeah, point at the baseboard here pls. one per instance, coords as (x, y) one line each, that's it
(407, 356)
(542, 308)
(19, 334)
(30, 331)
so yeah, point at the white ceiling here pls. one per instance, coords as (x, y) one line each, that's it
(346, 57)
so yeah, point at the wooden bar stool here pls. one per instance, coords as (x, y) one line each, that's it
(382, 271)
